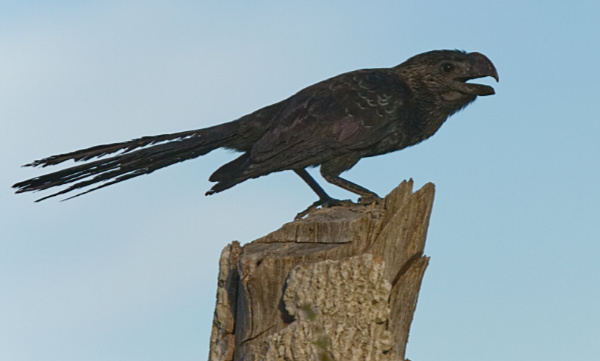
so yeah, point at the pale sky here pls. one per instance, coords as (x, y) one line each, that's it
(129, 272)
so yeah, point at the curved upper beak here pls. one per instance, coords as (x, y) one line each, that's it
(480, 66)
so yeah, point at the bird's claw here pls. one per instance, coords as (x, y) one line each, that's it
(370, 199)
(326, 203)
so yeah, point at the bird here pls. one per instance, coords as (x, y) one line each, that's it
(332, 124)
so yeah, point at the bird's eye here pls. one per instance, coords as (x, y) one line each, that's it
(447, 67)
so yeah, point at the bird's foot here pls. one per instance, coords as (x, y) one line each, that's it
(323, 203)
(369, 199)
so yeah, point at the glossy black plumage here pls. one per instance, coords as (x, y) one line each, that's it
(333, 123)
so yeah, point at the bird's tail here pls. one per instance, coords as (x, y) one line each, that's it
(135, 157)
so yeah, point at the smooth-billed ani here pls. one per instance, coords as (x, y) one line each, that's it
(333, 123)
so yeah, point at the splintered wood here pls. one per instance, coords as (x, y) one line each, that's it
(340, 284)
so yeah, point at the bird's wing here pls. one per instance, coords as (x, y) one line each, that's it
(346, 113)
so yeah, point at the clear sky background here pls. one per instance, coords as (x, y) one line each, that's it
(129, 272)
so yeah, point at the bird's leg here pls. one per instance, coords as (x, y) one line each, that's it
(324, 199)
(312, 183)
(366, 196)
(332, 169)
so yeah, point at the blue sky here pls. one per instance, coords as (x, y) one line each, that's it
(129, 272)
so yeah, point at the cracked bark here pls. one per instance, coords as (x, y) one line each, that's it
(340, 284)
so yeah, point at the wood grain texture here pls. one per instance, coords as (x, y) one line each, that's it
(340, 284)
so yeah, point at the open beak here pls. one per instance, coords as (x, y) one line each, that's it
(480, 67)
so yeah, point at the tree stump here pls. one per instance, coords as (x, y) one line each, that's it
(340, 284)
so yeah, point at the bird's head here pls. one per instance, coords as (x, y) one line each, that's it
(444, 74)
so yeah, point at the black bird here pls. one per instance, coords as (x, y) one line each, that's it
(333, 123)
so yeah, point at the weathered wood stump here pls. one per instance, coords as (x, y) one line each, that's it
(340, 284)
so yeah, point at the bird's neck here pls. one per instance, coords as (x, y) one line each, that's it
(436, 110)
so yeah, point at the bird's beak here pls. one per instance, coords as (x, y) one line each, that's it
(480, 66)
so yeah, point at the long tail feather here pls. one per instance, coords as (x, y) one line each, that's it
(101, 150)
(155, 153)
(145, 155)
